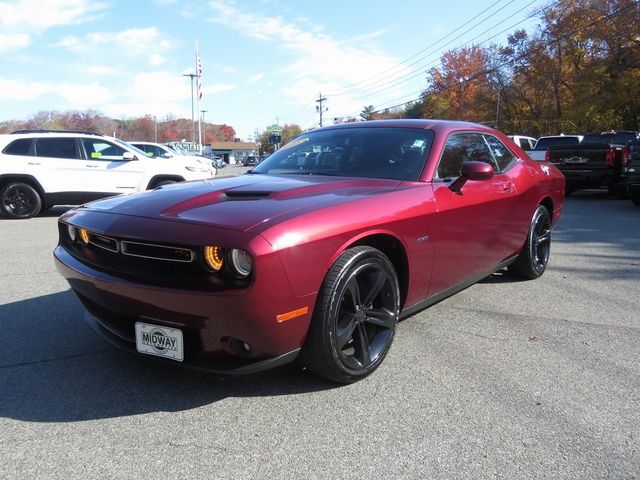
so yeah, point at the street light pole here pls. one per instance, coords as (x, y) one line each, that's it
(193, 124)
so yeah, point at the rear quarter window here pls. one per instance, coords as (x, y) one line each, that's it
(21, 146)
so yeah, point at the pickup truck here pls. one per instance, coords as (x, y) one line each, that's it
(539, 151)
(596, 161)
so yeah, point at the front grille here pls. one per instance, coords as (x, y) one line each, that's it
(103, 242)
(155, 264)
(157, 252)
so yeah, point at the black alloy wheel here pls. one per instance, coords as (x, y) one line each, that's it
(534, 257)
(355, 317)
(19, 200)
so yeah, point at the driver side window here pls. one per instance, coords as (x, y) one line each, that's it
(98, 149)
(461, 148)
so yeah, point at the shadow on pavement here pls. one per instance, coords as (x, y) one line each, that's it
(53, 368)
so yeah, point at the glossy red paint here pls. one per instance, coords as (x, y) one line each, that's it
(294, 228)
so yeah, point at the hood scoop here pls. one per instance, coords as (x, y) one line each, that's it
(245, 195)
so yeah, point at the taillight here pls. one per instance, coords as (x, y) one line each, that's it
(625, 156)
(611, 158)
(547, 156)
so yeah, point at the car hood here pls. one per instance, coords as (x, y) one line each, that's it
(243, 203)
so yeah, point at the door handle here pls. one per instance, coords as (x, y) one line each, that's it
(92, 166)
(506, 186)
(33, 163)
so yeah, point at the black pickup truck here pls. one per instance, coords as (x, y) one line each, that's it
(597, 161)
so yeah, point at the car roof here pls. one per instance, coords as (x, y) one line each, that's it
(437, 125)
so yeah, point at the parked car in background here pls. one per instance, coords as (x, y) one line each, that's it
(316, 252)
(160, 150)
(592, 163)
(543, 144)
(525, 143)
(250, 161)
(42, 168)
(218, 162)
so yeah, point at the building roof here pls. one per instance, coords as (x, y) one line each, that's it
(233, 146)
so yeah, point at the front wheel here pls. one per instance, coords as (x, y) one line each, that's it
(355, 317)
(19, 200)
(533, 259)
(635, 196)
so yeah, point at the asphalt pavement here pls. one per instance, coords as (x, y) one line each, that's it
(507, 379)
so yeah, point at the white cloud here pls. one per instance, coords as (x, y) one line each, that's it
(255, 78)
(103, 71)
(39, 15)
(323, 62)
(156, 59)
(160, 86)
(13, 41)
(77, 95)
(221, 87)
(139, 41)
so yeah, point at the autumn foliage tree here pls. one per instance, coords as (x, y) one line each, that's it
(578, 71)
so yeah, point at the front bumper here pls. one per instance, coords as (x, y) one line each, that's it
(214, 324)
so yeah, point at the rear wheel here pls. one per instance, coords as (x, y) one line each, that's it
(355, 317)
(19, 200)
(635, 196)
(533, 259)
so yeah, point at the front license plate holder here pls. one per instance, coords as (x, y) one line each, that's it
(159, 341)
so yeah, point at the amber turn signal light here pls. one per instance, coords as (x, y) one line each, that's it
(83, 233)
(213, 257)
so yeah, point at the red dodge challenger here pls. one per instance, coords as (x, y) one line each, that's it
(314, 254)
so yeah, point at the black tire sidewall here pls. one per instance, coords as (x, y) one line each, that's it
(326, 315)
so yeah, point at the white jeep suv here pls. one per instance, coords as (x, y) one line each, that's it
(42, 168)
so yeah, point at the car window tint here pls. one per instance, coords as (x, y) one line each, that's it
(501, 154)
(100, 150)
(461, 148)
(18, 147)
(388, 153)
(56, 147)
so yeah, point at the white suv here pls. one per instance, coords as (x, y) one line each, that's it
(42, 168)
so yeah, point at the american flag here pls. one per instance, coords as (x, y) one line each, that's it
(199, 72)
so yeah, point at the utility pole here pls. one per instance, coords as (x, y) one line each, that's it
(155, 129)
(193, 123)
(319, 108)
(204, 133)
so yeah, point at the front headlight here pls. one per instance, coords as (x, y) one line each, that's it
(71, 233)
(241, 262)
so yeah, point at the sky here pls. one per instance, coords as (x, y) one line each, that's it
(263, 61)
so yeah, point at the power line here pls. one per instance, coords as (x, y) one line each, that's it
(348, 88)
(519, 57)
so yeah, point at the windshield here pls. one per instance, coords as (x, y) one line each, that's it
(375, 152)
(131, 147)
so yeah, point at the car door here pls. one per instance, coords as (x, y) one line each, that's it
(472, 233)
(111, 171)
(59, 165)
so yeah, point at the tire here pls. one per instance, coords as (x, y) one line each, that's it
(534, 256)
(355, 317)
(19, 200)
(635, 196)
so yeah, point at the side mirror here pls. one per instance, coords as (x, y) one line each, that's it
(473, 170)
(126, 156)
(167, 155)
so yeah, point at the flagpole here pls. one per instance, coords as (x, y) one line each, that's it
(199, 73)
